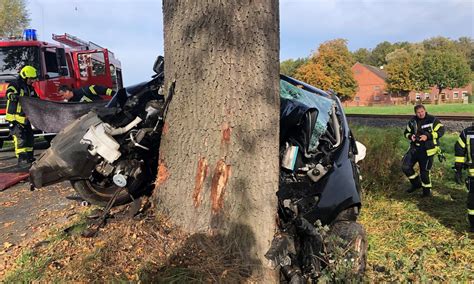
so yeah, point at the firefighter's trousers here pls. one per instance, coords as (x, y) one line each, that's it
(425, 162)
(470, 196)
(23, 140)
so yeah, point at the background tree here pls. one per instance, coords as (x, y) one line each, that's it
(362, 55)
(445, 69)
(465, 46)
(404, 70)
(218, 169)
(14, 17)
(439, 44)
(289, 66)
(330, 68)
(379, 53)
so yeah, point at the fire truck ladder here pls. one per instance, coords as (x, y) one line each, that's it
(76, 42)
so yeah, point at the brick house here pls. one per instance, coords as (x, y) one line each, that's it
(372, 86)
(372, 90)
(456, 95)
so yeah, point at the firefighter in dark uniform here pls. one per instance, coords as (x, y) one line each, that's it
(464, 158)
(423, 131)
(85, 94)
(20, 127)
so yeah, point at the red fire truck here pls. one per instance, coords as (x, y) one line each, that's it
(79, 64)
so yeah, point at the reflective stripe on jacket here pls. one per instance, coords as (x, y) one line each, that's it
(429, 126)
(464, 147)
(91, 93)
(14, 111)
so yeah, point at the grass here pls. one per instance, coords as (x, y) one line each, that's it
(412, 239)
(442, 109)
(33, 263)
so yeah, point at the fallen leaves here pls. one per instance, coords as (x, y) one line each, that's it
(8, 203)
(8, 224)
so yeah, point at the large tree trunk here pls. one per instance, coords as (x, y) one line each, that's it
(218, 170)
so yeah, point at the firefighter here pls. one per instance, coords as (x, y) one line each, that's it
(20, 127)
(464, 158)
(423, 131)
(85, 94)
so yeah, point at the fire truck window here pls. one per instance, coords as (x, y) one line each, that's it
(13, 58)
(52, 69)
(83, 64)
(113, 74)
(98, 64)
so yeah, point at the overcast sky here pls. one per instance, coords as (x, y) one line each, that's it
(133, 29)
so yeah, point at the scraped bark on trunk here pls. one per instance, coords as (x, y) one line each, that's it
(219, 166)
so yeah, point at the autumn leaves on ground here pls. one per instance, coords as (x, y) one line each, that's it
(410, 238)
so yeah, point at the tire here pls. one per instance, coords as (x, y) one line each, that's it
(49, 138)
(355, 242)
(100, 195)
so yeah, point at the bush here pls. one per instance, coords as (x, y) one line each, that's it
(382, 163)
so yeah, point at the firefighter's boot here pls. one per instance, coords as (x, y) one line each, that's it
(415, 184)
(30, 157)
(426, 192)
(24, 161)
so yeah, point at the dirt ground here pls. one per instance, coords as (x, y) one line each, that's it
(25, 214)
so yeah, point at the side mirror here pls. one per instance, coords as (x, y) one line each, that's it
(361, 152)
(159, 65)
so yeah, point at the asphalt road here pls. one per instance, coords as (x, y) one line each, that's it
(25, 214)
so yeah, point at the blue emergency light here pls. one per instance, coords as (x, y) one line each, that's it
(29, 34)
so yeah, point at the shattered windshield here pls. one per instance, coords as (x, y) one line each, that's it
(311, 100)
(13, 58)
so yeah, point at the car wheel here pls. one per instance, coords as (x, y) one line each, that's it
(100, 195)
(354, 240)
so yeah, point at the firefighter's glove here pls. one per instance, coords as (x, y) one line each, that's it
(458, 177)
(13, 97)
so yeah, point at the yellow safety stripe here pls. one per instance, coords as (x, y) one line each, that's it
(108, 92)
(413, 176)
(461, 143)
(431, 152)
(458, 159)
(91, 88)
(408, 135)
(435, 135)
(438, 126)
(408, 128)
(471, 172)
(426, 184)
(86, 99)
(15, 117)
(469, 154)
(470, 211)
(15, 144)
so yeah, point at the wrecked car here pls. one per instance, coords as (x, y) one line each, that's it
(110, 156)
(319, 185)
(110, 153)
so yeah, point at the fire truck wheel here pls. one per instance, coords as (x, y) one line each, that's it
(99, 195)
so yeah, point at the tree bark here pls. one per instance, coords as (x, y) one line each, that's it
(218, 169)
